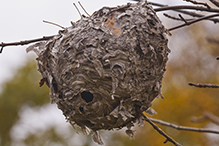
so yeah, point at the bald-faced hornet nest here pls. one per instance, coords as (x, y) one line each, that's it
(104, 71)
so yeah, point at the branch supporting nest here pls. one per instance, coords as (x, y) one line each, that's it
(180, 9)
(44, 38)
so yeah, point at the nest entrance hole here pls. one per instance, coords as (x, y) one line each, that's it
(87, 96)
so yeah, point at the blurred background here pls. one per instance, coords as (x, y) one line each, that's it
(28, 118)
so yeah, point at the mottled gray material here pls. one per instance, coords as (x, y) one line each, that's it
(104, 71)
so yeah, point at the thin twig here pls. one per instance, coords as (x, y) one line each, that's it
(215, 20)
(44, 38)
(1, 49)
(203, 85)
(183, 19)
(204, 130)
(211, 40)
(54, 24)
(193, 21)
(77, 10)
(183, 11)
(168, 138)
(175, 18)
(198, 8)
(171, 17)
(207, 115)
(198, 3)
(215, 2)
(83, 9)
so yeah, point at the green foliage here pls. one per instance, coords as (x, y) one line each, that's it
(48, 138)
(22, 89)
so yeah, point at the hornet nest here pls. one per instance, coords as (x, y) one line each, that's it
(106, 69)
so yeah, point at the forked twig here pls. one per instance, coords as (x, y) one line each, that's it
(184, 11)
(204, 85)
(175, 18)
(168, 138)
(193, 21)
(198, 3)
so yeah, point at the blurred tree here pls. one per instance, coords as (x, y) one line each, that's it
(22, 89)
(193, 61)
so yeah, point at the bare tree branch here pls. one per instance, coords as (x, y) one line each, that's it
(183, 11)
(215, 2)
(168, 138)
(198, 3)
(163, 8)
(183, 19)
(175, 18)
(206, 116)
(204, 85)
(198, 8)
(211, 40)
(215, 20)
(204, 130)
(193, 21)
(44, 38)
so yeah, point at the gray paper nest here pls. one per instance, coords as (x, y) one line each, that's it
(105, 70)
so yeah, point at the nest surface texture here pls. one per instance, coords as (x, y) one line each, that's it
(106, 69)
